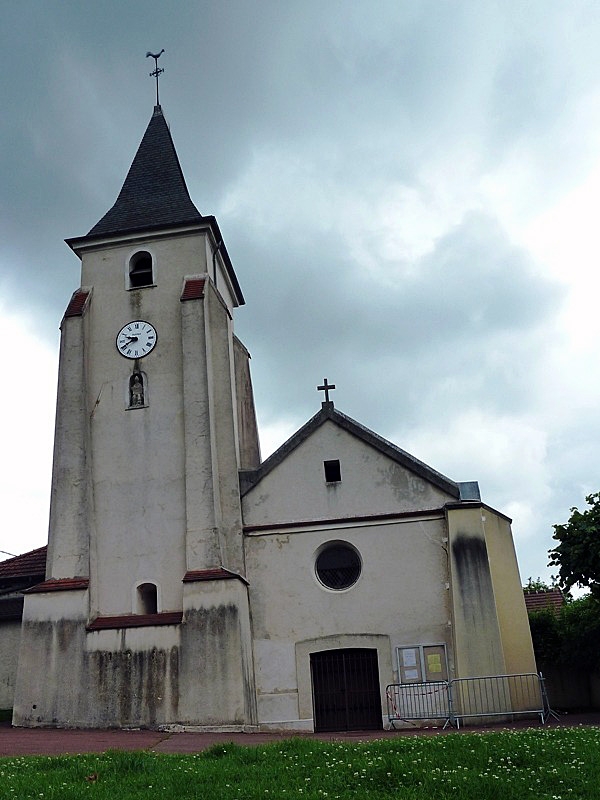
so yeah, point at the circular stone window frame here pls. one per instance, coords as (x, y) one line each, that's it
(329, 546)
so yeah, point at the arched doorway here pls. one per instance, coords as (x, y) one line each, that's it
(346, 693)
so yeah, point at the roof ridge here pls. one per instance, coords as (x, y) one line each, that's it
(249, 478)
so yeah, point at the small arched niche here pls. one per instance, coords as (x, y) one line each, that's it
(147, 598)
(141, 271)
(137, 390)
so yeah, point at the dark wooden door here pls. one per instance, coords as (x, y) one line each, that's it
(346, 693)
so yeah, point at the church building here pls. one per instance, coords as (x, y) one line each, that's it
(187, 582)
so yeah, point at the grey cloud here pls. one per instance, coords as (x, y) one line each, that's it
(474, 298)
(367, 99)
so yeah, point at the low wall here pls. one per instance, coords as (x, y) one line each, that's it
(572, 689)
(11, 636)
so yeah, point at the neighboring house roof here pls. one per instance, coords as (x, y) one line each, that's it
(249, 478)
(26, 565)
(551, 599)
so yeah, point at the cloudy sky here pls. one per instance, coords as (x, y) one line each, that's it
(408, 191)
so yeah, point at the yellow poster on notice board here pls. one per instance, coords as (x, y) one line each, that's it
(434, 663)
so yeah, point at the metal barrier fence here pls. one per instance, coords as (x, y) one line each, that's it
(497, 695)
(413, 701)
(469, 699)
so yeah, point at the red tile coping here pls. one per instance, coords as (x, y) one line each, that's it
(135, 621)
(551, 599)
(77, 304)
(193, 289)
(217, 574)
(60, 585)
(25, 565)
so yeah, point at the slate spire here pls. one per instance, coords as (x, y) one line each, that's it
(154, 194)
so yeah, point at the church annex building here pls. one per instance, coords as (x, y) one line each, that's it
(188, 583)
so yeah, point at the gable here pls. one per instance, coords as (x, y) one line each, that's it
(373, 482)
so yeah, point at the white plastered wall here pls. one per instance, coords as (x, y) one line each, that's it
(401, 597)
(139, 523)
(372, 483)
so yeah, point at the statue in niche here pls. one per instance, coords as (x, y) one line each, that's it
(136, 390)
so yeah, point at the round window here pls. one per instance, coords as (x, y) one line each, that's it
(338, 566)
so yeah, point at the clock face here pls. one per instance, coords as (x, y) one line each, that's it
(136, 339)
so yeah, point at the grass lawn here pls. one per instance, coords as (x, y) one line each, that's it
(539, 763)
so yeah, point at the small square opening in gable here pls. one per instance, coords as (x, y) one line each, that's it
(333, 472)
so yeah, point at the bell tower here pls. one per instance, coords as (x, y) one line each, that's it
(143, 617)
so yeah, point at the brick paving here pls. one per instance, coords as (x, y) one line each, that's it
(58, 741)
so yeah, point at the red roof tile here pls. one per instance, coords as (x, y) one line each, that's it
(60, 585)
(25, 565)
(193, 289)
(548, 599)
(217, 574)
(77, 304)
(135, 620)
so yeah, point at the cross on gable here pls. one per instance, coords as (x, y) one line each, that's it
(325, 388)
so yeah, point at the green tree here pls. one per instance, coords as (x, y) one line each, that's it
(569, 637)
(546, 635)
(538, 585)
(578, 553)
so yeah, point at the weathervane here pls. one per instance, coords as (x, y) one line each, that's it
(157, 70)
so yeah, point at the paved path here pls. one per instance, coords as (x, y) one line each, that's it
(55, 741)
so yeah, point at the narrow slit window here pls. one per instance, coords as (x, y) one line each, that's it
(140, 270)
(333, 472)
